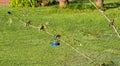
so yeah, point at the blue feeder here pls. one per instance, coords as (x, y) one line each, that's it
(56, 41)
(55, 44)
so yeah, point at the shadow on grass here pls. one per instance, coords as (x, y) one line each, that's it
(85, 4)
(80, 5)
(112, 5)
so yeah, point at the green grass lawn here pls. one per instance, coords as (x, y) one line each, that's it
(84, 29)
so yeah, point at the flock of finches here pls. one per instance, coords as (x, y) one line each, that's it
(46, 24)
(28, 23)
(42, 27)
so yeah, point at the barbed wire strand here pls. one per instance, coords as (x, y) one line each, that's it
(115, 30)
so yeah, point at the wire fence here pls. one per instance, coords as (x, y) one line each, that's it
(111, 22)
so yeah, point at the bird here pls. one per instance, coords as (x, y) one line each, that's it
(42, 27)
(102, 10)
(28, 23)
(9, 12)
(112, 22)
(58, 36)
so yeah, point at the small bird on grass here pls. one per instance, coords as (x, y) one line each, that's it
(58, 36)
(9, 12)
(28, 23)
(102, 10)
(42, 27)
(112, 22)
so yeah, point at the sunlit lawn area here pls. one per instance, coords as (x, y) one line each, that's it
(84, 29)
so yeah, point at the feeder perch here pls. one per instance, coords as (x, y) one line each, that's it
(56, 41)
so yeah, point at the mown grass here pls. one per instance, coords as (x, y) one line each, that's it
(84, 29)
